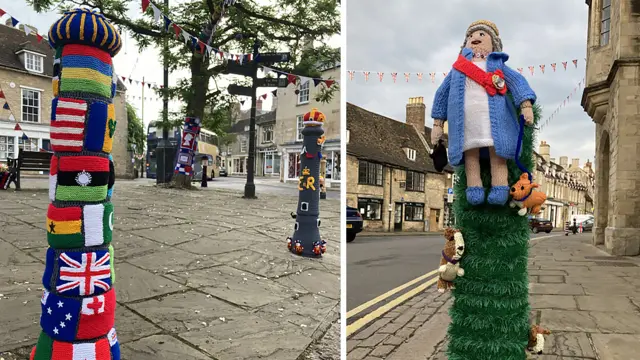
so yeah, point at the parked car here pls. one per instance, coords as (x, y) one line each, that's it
(587, 225)
(354, 223)
(538, 225)
(223, 171)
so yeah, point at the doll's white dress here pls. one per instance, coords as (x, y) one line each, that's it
(477, 123)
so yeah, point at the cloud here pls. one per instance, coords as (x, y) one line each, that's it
(425, 36)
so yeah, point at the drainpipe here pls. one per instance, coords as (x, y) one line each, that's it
(391, 205)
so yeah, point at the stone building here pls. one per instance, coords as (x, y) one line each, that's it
(611, 98)
(237, 153)
(26, 70)
(288, 127)
(569, 187)
(390, 176)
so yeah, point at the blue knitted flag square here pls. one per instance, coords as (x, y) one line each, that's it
(96, 126)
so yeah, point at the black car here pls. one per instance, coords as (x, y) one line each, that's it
(354, 223)
(538, 225)
(223, 172)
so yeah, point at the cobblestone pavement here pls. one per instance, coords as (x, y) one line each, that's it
(199, 275)
(589, 300)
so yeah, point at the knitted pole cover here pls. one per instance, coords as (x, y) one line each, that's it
(188, 145)
(306, 239)
(490, 311)
(78, 303)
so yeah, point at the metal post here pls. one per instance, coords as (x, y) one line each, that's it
(250, 187)
(164, 155)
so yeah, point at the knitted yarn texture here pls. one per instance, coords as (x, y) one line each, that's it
(306, 239)
(78, 303)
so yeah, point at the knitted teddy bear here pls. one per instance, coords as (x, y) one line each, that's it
(449, 268)
(536, 339)
(482, 119)
(525, 198)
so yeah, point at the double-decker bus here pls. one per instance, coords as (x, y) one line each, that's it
(154, 135)
(207, 145)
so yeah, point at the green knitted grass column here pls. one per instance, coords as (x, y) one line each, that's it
(490, 311)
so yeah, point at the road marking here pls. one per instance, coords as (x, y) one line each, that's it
(357, 325)
(389, 293)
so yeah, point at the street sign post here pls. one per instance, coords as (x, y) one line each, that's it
(449, 198)
(274, 57)
(450, 191)
(250, 69)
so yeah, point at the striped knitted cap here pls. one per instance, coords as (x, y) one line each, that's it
(490, 28)
(313, 118)
(84, 26)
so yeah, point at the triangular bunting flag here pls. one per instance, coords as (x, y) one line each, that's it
(304, 80)
(201, 45)
(241, 102)
(130, 81)
(275, 92)
(291, 79)
(194, 41)
(264, 96)
(316, 82)
(17, 127)
(553, 66)
(123, 78)
(2, 94)
(6, 106)
(366, 75)
(14, 21)
(24, 136)
(542, 68)
(564, 63)
(11, 117)
(420, 76)
(520, 70)
(266, 70)
(177, 30)
(394, 76)
(380, 75)
(2, 12)
(329, 82)
(575, 62)
(167, 23)
(156, 13)
(531, 69)
(186, 35)
(406, 76)
(39, 37)
(149, 85)
(145, 5)
(433, 77)
(27, 30)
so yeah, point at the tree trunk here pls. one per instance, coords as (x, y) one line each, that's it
(182, 181)
(490, 310)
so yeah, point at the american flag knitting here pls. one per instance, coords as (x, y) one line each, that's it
(79, 301)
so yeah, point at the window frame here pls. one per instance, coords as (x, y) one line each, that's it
(35, 57)
(410, 209)
(369, 201)
(24, 89)
(32, 147)
(243, 144)
(304, 90)
(605, 34)
(410, 184)
(299, 127)
(267, 129)
(365, 180)
(9, 141)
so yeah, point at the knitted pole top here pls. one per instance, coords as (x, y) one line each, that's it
(84, 26)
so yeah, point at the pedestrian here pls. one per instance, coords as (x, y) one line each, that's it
(205, 162)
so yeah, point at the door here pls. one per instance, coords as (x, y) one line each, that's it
(434, 218)
(397, 222)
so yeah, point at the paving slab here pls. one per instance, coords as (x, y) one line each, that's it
(617, 346)
(605, 303)
(313, 281)
(569, 344)
(131, 326)
(134, 284)
(307, 312)
(227, 241)
(565, 302)
(160, 347)
(20, 319)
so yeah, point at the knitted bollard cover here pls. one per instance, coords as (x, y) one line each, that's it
(490, 310)
(306, 239)
(78, 303)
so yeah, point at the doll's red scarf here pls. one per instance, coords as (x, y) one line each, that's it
(489, 80)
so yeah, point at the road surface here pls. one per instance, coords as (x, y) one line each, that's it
(376, 265)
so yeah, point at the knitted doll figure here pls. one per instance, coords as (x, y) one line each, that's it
(482, 118)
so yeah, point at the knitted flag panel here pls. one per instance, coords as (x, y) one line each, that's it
(79, 301)
(188, 145)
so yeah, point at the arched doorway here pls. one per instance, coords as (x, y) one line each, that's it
(602, 189)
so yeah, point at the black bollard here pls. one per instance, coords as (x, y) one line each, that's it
(306, 239)
(203, 182)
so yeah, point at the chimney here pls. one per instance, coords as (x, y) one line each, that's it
(564, 161)
(544, 150)
(416, 110)
(587, 165)
(553, 160)
(575, 163)
(259, 105)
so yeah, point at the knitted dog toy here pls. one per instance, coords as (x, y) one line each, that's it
(78, 302)
(480, 81)
(306, 239)
(525, 198)
(536, 339)
(449, 267)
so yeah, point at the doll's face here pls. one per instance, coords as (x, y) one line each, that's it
(480, 42)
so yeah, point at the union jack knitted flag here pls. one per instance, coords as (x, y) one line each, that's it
(84, 273)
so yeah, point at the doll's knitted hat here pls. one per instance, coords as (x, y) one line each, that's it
(490, 28)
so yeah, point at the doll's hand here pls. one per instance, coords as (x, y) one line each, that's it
(528, 115)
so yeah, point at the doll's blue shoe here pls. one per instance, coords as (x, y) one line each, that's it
(498, 195)
(475, 195)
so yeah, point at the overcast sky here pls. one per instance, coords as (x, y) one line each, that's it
(425, 36)
(130, 62)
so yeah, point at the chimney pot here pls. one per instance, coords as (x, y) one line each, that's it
(416, 113)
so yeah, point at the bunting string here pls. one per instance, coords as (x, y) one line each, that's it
(563, 104)
(434, 75)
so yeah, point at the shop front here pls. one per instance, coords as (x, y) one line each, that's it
(270, 162)
(330, 152)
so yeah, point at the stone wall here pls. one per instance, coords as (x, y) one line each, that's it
(13, 95)
(121, 157)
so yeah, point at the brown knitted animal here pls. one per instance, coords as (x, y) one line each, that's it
(536, 339)
(525, 198)
(449, 268)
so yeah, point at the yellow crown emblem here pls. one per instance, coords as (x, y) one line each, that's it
(306, 171)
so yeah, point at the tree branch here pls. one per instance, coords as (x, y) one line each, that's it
(274, 20)
(122, 21)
